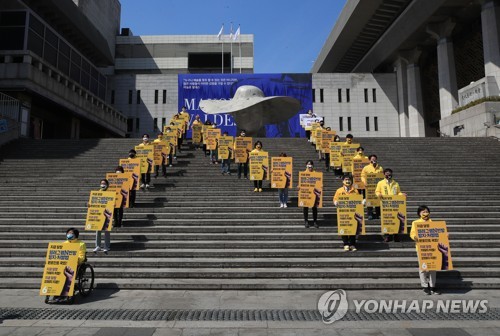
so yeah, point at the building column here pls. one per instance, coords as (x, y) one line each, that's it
(448, 92)
(490, 22)
(401, 82)
(75, 128)
(415, 102)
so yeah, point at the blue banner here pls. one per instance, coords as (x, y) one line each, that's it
(195, 87)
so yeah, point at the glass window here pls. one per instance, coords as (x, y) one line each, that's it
(366, 95)
(347, 95)
(349, 124)
(37, 26)
(339, 91)
(321, 98)
(35, 43)
(368, 124)
(341, 124)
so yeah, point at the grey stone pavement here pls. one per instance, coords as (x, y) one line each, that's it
(187, 300)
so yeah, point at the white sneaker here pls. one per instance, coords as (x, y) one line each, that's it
(147, 186)
(97, 249)
(106, 250)
(284, 205)
(281, 205)
(142, 186)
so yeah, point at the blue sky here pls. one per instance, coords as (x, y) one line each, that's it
(288, 34)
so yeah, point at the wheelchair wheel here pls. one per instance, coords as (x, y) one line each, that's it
(85, 279)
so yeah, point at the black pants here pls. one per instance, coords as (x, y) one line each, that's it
(163, 168)
(179, 143)
(374, 212)
(131, 201)
(349, 240)
(315, 213)
(257, 184)
(145, 178)
(243, 167)
(362, 192)
(118, 216)
(327, 160)
(308, 135)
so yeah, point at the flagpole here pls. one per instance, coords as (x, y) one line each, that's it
(239, 42)
(231, 41)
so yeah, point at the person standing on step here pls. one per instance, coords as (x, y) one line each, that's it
(146, 177)
(257, 184)
(197, 121)
(310, 168)
(337, 170)
(163, 161)
(107, 234)
(118, 213)
(327, 155)
(180, 132)
(131, 203)
(208, 124)
(283, 192)
(388, 186)
(346, 189)
(310, 114)
(184, 115)
(427, 278)
(214, 152)
(226, 163)
(243, 166)
(372, 168)
(360, 154)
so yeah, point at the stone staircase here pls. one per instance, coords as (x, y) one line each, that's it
(197, 229)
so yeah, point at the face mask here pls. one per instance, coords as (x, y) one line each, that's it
(374, 162)
(243, 134)
(424, 216)
(258, 147)
(103, 186)
(347, 182)
(388, 177)
(145, 139)
(309, 166)
(118, 172)
(214, 126)
(132, 155)
(70, 236)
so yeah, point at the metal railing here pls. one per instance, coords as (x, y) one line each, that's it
(9, 107)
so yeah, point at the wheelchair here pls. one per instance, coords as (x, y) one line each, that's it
(84, 283)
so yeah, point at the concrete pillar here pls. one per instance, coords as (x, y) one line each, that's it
(448, 91)
(415, 103)
(490, 21)
(402, 83)
(75, 128)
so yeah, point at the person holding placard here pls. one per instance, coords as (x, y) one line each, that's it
(242, 166)
(213, 151)
(118, 213)
(208, 124)
(184, 115)
(346, 189)
(372, 168)
(197, 124)
(163, 159)
(145, 177)
(107, 234)
(72, 235)
(337, 170)
(180, 130)
(308, 131)
(427, 278)
(310, 169)
(388, 186)
(257, 184)
(360, 155)
(283, 192)
(225, 163)
(319, 139)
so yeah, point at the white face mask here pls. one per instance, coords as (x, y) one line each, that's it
(145, 139)
(103, 186)
(309, 166)
(118, 172)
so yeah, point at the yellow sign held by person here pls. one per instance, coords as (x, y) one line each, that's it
(180, 125)
(433, 246)
(259, 166)
(160, 151)
(59, 274)
(350, 215)
(242, 147)
(314, 127)
(197, 129)
(357, 166)
(100, 211)
(336, 155)
(310, 189)
(184, 116)
(371, 184)
(171, 139)
(120, 184)
(281, 172)
(132, 166)
(319, 137)
(348, 153)
(393, 214)
(226, 145)
(146, 154)
(213, 135)
(326, 139)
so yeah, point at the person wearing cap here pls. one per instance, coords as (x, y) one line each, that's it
(346, 189)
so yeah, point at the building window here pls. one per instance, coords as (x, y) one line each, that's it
(130, 97)
(348, 124)
(341, 124)
(321, 98)
(339, 92)
(375, 124)
(138, 96)
(156, 96)
(347, 95)
(155, 124)
(163, 122)
(164, 96)
(314, 95)
(112, 97)
(368, 124)
(374, 93)
(130, 125)
(366, 95)
(137, 124)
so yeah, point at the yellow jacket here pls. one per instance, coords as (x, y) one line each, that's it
(369, 169)
(413, 231)
(342, 191)
(82, 252)
(385, 189)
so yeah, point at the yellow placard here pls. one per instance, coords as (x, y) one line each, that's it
(171, 139)
(180, 125)
(226, 144)
(120, 184)
(357, 166)
(213, 135)
(146, 154)
(242, 146)
(59, 274)
(281, 172)
(259, 166)
(371, 184)
(326, 139)
(348, 153)
(185, 117)
(319, 137)
(311, 189)
(350, 215)
(336, 155)
(433, 246)
(197, 129)
(100, 211)
(393, 214)
(314, 127)
(132, 166)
